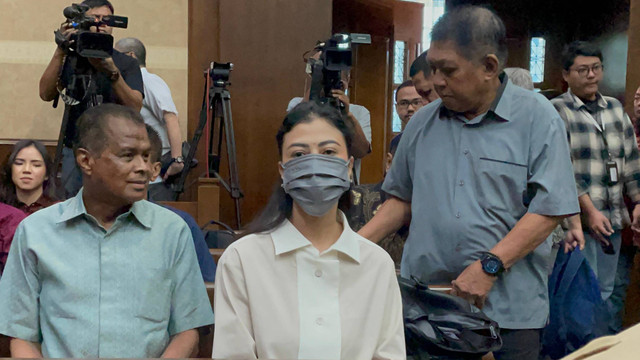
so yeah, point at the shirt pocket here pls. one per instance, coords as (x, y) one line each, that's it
(502, 185)
(154, 300)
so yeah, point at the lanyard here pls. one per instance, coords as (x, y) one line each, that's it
(601, 129)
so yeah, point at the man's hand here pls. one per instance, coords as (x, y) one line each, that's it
(106, 66)
(67, 30)
(473, 284)
(174, 168)
(340, 95)
(600, 226)
(573, 238)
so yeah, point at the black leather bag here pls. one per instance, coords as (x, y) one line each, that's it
(442, 326)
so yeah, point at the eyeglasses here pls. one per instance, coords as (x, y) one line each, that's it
(583, 71)
(406, 103)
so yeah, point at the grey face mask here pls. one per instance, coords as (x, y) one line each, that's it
(316, 182)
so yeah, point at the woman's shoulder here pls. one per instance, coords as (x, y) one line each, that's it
(249, 245)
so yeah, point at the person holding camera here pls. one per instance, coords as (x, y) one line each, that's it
(117, 80)
(358, 117)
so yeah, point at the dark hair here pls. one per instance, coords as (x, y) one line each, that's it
(156, 144)
(92, 125)
(98, 3)
(578, 48)
(405, 84)
(280, 203)
(476, 31)
(393, 145)
(8, 188)
(420, 64)
(133, 45)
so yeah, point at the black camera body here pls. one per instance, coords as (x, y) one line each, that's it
(91, 44)
(336, 58)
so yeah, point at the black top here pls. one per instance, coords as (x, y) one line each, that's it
(129, 70)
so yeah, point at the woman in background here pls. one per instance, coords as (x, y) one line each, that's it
(26, 177)
(303, 285)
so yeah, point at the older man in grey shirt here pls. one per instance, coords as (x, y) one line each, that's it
(485, 174)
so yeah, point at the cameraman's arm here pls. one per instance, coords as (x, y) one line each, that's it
(175, 141)
(360, 146)
(126, 95)
(49, 79)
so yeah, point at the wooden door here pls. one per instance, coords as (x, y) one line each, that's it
(371, 72)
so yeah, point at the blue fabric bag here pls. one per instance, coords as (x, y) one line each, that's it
(574, 299)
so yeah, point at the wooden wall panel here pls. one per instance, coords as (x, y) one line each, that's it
(203, 47)
(265, 41)
(371, 72)
(408, 21)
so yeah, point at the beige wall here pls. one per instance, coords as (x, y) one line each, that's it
(26, 46)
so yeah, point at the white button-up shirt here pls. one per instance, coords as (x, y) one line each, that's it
(277, 297)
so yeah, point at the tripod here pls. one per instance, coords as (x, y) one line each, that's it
(82, 81)
(216, 104)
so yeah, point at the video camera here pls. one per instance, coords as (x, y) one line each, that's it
(335, 59)
(89, 44)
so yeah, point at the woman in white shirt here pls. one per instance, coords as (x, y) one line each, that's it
(303, 285)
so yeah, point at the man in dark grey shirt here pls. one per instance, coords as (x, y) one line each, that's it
(485, 173)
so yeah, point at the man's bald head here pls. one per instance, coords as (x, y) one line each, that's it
(133, 46)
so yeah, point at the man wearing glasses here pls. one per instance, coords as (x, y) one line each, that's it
(408, 101)
(606, 166)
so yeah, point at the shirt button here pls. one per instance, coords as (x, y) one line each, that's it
(466, 151)
(319, 321)
(461, 183)
(318, 273)
(458, 215)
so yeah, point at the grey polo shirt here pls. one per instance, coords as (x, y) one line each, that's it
(469, 182)
(85, 292)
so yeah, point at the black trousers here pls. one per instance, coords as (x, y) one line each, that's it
(519, 344)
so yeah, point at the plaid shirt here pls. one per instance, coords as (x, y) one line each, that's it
(589, 153)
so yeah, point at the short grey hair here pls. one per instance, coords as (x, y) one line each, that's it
(475, 30)
(133, 45)
(520, 77)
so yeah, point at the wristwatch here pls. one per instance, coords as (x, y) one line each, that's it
(178, 159)
(114, 75)
(491, 264)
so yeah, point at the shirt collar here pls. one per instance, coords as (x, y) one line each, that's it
(500, 107)
(578, 103)
(287, 238)
(75, 208)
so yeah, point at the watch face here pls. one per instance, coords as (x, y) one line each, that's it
(492, 266)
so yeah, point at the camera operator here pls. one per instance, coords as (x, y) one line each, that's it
(118, 80)
(358, 117)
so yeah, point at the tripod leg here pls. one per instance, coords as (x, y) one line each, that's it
(234, 180)
(179, 187)
(60, 145)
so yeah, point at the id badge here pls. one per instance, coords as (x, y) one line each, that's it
(612, 171)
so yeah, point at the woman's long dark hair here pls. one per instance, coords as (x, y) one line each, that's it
(280, 203)
(8, 188)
